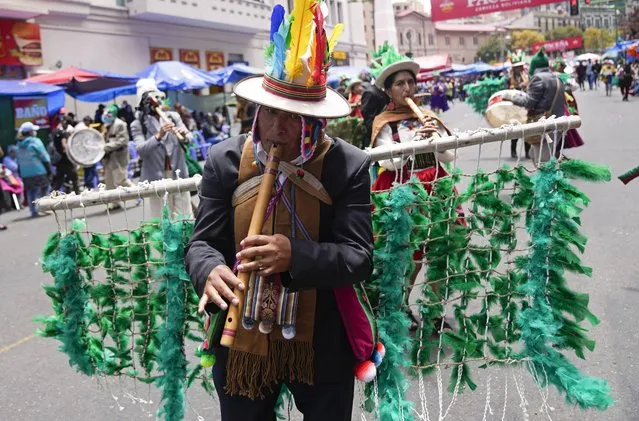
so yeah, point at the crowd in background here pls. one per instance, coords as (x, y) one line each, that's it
(32, 168)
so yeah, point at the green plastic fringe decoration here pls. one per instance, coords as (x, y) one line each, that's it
(71, 293)
(545, 328)
(466, 261)
(123, 325)
(480, 91)
(171, 359)
(507, 303)
(393, 266)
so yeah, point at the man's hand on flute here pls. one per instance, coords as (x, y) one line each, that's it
(270, 254)
(220, 283)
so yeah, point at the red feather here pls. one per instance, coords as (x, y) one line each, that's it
(318, 73)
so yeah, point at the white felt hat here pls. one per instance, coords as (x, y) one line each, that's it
(145, 85)
(408, 65)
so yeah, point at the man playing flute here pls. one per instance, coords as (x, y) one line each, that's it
(303, 319)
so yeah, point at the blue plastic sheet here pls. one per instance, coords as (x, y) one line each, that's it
(177, 76)
(19, 88)
(233, 73)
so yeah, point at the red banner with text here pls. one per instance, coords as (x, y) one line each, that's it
(456, 9)
(31, 108)
(562, 44)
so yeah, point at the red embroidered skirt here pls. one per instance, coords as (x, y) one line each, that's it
(427, 176)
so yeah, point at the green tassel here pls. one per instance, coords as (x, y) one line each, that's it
(542, 325)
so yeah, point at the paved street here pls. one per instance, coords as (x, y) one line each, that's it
(36, 382)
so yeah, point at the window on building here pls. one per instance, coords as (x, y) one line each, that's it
(290, 5)
(462, 41)
(588, 21)
(340, 15)
(546, 24)
(401, 39)
(475, 41)
(236, 57)
(419, 38)
(405, 7)
(446, 40)
(606, 23)
(539, 23)
(431, 39)
(598, 22)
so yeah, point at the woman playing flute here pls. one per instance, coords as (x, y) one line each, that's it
(399, 123)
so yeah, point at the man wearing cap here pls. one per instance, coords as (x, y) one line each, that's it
(156, 140)
(34, 164)
(116, 150)
(298, 325)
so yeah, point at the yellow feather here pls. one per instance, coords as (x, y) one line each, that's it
(300, 36)
(337, 31)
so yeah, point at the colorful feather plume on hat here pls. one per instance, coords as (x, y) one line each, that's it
(384, 57)
(299, 51)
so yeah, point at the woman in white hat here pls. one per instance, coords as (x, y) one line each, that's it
(397, 75)
(301, 322)
(159, 147)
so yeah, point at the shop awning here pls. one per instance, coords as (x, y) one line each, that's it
(434, 62)
(234, 73)
(177, 76)
(76, 81)
(20, 88)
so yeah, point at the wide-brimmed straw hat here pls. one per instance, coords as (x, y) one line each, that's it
(297, 61)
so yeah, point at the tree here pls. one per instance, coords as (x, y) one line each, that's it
(525, 39)
(491, 49)
(596, 39)
(564, 32)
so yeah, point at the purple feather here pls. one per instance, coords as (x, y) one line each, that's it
(276, 19)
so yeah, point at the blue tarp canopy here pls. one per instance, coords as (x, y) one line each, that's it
(177, 76)
(477, 68)
(108, 94)
(233, 73)
(20, 88)
(168, 75)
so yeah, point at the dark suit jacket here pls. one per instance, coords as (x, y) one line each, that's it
(342, 256)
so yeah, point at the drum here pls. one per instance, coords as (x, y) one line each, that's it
(85, 147)
(500, 112)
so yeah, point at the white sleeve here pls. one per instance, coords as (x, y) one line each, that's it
(441, 155)
(385, 137)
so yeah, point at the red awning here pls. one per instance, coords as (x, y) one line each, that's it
(64, 76)
(434, 62)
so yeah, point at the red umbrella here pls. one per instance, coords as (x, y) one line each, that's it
(65, 76)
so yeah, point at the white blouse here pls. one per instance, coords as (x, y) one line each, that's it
(385, 137)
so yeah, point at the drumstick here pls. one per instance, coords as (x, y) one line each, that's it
(255, 228)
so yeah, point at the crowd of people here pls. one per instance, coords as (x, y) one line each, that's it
(32, 168)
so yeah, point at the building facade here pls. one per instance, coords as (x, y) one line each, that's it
(420, 36)
(599, 16)
(369, 27)
(126, 36)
